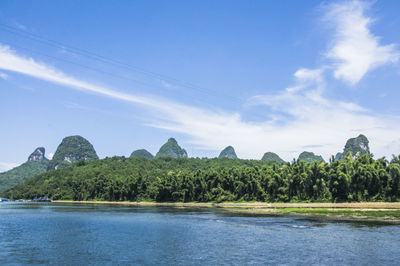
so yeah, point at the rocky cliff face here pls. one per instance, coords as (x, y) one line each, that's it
(228, 152)
(171, 149)
(356, 146)
(272, 157)
(142, 154)
(310, 157)
(37, 155)
(72, 149)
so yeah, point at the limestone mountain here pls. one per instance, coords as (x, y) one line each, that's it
(142, 154)
(228, 152)
(356, 146)
(272, 157)
(171, 149)
(37, 163)
(310, 157)
(37, 155)
(72, 149)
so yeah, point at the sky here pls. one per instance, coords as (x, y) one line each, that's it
(280, 76)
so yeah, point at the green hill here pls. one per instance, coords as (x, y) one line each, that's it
(356, 146)
(72, 149)
(37, 163)
(272, 157)
(310, 157)
(171, 149)
(228, 152)
(142, 154)
(207, 180)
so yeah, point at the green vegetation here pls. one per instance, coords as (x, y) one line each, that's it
(310, 157)
(21, 173)
(272, 157)
(356, 146)
(206, 180)
(142, 154)
(393, 214)
(228, 152)
(171, 149)
(72, 149)
(35, 165)
(382, 215)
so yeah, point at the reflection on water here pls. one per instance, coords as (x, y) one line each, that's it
(39, 233)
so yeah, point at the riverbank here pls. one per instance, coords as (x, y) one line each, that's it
(357, 211)
(357, 205)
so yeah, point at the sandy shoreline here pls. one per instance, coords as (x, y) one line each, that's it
(254, 205)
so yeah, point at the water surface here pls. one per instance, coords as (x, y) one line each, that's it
(38, 233)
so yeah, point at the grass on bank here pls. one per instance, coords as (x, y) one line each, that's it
(351, 214)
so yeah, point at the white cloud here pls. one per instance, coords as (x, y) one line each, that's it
(4, 166)
(306, 118)
(3, 76)
(355, 50)
(312, 119)
(300, 116)
(306, 77)
(10, 61)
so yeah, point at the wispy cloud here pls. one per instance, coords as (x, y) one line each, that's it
(19, 25)
(355, 50)
(314, 119)
(167, 85)
(299, 116)
(306, 77)
(3, 76)
(10, 61)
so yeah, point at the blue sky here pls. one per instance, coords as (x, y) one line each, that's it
(282, 76)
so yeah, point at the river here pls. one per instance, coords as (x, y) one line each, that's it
(69, 234)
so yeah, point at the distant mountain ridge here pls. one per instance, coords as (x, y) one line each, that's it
(73, 149)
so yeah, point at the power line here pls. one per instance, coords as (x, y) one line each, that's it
(81, 65)
(100, 70)
(103, 59)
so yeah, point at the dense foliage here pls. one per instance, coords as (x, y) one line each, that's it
(72, 149)
(272, 157)
(171, 149)
(21, 173)
(133, 179)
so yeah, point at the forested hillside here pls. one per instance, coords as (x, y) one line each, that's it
(36, 164)
(189, 179)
